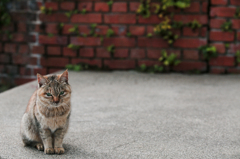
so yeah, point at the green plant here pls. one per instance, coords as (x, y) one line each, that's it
(74, 47)
(226, 26)
(237, 13)
(50, 35)
(111, 49)
(45, 10)
(144, 8)
(70, 13)
(5, 18)
(77, 67)
(237, 56)
(227, 45)
(74, 29)
(93, 27)
(109, 3)
(60, 27)
(194, 25)
(176, 3)
(152, 69)
(109, 33)
(208, 51)
(164, 30)
(129, 34)
(177, 25)
(83, 11)
(149, 35)
(169, 60)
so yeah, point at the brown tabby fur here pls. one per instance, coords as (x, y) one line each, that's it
(46, 119)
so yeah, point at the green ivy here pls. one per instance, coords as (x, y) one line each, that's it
(109, 33)
(144, 8)
(227, 26)
(5, 18)
(77, 67)
(208, 51)
(194, 25)
(70, 13)
(45, 10)
(111, 49)
(169, 60)
(74, 47)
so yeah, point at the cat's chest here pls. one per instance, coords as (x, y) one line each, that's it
(52, 123)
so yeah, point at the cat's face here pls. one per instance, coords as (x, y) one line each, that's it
(54, 90)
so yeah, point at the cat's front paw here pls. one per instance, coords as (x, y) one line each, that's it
(49, 151)
(39, 147)
(59, 150)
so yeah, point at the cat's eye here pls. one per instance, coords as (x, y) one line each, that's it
(49, 94)
(61, 93)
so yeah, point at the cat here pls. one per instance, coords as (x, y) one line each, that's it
(46, 119)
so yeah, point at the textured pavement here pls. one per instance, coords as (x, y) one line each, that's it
(122, 115)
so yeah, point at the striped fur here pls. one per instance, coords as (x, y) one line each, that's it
(46, 119)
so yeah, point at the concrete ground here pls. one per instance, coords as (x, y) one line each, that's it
(122, 115)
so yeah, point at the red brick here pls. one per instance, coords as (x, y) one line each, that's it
(120, 64)
(203, 19)
(119, 7)
(194, 7)
(4, 58)
(53, 70)
(1, 47)
(221, 36)
(56, 17)
(101, 7)
(150, 29)
(190, 66)
(153, 19)
(222, 61)
(120, 30)
(236, 23)
(204, 7)
(217, 70)
(52, 5)
(190, 32)
(120, 18)
(61, 40)
(152, 42)
(233, 70)
(54, 50)
(134, 6)
(153, 53)
(87, 18)
(190, 55)
(42, 71)
(86, 52)
(137, 30)
(235, 2)
(55, 62)
(102, 53)
(25, 71)
(66, 27)
(234, 48)
(216, 23)
(51, 28)
(91, 62)
(67, 5)
(101, 30)
(85, 5)
(219, 2)
(32, 61)
(88, 41)
(21, 27)
(20, 59)
(22, 80)
(222, 12)
(38, 49)
(18, 37)
(148, 62)
(189, 43)
(121, 53)
(137, 53)
(69, 52)
(119, 41)
(238, 36)
(23, 49)
(220, 47)
(10, 48)
(204, 32)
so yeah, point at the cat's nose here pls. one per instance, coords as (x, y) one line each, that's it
(57, 101)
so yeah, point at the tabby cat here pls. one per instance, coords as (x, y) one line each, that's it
(46, 119)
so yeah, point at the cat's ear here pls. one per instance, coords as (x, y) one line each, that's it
(64, 77)
(41, 80)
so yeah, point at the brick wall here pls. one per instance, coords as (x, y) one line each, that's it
(38, 46)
